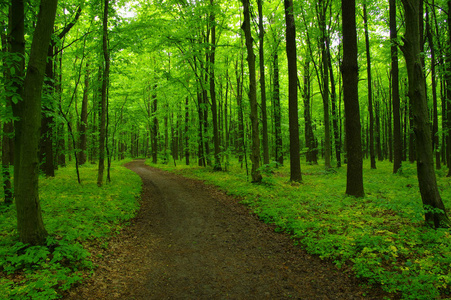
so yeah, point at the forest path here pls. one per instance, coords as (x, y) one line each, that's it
(192, 241)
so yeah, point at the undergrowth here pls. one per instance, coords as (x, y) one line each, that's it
(381, 237)
(75, 216)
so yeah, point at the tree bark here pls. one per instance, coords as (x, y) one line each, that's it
(277, 111)
(104, 96)
(397, 142)
(354, 178)
(370, 89)
(82, 130)
(8, 129)
(255, 155)
(322, 7)
(435, 139)
(264, 121)
(30, 225)
(295, 161)
(214, 106)
(435, 213)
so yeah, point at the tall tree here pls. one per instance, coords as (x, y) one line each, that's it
(354, 178)
(261, 35)
(214, 106)
(278, 152)
(324, 76)
(397, 142)
(293, 118)
(8, 129)
(255, 155)
(104, 96)
(370, 88)
(435, 213)
(30, 225)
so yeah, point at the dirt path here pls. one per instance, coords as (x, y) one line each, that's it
(191, 241)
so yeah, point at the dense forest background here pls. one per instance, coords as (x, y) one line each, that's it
(258, 84)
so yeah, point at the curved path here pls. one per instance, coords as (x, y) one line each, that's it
(191, 241)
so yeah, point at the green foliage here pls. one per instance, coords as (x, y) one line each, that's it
(74, 215)
(382, 237)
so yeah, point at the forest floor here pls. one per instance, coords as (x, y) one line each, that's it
(192, 241)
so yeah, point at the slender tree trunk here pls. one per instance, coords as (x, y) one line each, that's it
(255, 156)
(84, 121)
(104, 97)
(277, 112)
(214, 106)
(154, 136)
(370, 89)
(264, 121)
(186, 131)
(309, 139)
(333, 97)
(239, 98)
(417, 94)
(30, 225)
(435, 139)
(322, 6)
(397, 141)
(295, 161)
(354, 183)
(8, 129)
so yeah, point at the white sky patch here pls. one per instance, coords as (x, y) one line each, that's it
(127, 11)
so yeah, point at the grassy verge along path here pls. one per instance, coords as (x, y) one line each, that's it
(76, 217)
(381, 237)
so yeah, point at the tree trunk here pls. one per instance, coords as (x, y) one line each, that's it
(154, 135)
(354, 178)
(264, 121)
(277, 112)
(255, 156)
(29, 218)
(417, 94)
(370, 89)
(333, 97)
(8, 129)
(435, 139)
(186, 131)
(322, 9)
(295, 160)
(397, 142)
(104, 97)
(47, 120)
(214, 106)
(82, 130)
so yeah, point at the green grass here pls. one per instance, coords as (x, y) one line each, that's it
(381, 237)
(75, 216)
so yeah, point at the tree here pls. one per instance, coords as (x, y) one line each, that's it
(255, 155)
(370, 88)
(354, 178)
(435, 213)
(104, 97)
(295, 160)
(28, 113)
(261, 35)
(397, 142)
(214, 106)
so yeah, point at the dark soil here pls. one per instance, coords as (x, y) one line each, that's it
(192, 241)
